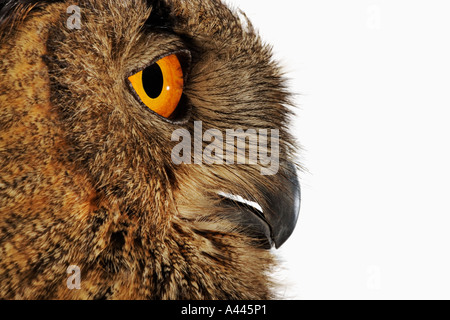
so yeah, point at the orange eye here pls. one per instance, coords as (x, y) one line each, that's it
(160, 85)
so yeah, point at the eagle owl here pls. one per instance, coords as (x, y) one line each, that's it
(92, 93)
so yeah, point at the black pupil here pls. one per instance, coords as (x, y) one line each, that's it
(152, 79)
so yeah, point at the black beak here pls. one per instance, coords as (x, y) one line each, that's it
(283, 206)
(272, 220)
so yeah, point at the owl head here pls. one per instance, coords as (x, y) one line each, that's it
(146, 143)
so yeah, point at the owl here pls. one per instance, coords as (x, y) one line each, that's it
(145, 152)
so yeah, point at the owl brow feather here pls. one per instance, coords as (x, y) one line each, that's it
(13, 12)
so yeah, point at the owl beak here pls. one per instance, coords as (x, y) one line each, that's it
(272, 220)
(283, 206)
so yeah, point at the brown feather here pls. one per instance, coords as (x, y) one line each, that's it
(86, 176)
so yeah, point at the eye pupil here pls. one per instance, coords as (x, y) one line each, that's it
(153, 81)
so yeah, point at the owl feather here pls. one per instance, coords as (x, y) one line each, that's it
(87, 177)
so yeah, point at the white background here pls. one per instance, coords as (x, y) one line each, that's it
(373, 79)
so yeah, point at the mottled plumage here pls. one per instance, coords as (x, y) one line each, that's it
(86, 176)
